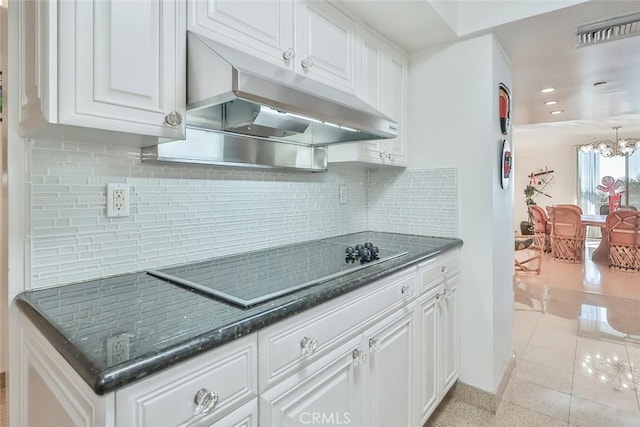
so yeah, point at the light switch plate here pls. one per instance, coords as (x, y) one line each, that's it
(342, 190)
(117, 200)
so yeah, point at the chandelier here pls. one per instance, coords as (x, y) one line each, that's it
(617, 147)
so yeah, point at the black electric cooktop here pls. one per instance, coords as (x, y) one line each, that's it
(251, 278)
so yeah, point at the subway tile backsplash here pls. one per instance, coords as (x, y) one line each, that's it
(186, 213)
(414, 201)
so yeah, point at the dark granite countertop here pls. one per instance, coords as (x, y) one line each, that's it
(164, 323)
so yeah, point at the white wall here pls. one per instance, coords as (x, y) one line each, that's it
(503, 251)
(531, 157)
(453, 122)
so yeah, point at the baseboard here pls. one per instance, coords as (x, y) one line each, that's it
(503, 382)
(483, 399)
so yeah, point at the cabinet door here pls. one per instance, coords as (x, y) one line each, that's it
(263, 28)
(325, 41)
(370, 66)
(450, 336)
(391, 374)
(395, 104)
(325, 393)
(244, 416)
(429, 313)
(122, 66)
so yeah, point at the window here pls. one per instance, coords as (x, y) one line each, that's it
(592, 167)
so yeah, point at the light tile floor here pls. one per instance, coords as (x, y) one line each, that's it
(577, 342)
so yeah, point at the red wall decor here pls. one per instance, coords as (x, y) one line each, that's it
(506, 163)
(504, 101)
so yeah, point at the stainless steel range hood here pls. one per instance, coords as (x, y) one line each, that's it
(243, 111)
(230, 91)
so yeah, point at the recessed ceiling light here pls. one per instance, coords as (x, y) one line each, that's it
(597, 84)
(556, 112)
(550, 102)
(548, 90)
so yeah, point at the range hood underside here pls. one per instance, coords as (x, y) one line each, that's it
(222, 148)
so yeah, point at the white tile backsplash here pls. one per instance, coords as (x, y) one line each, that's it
(185, 213)
(414, 201)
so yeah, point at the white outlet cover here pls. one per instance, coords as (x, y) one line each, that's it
(117, 199)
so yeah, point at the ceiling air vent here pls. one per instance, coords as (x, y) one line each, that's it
(609, 30)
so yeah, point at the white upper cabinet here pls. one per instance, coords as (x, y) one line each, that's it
(108, 65)
(262, 28)
(310, 38)
(382, 83)
(325, 44)
(394, 105)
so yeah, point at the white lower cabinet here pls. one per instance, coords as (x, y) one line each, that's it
(326, 392)
(228, 374)
(438, 333)
(391, 366)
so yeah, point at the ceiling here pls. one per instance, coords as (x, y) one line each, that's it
(542, 52)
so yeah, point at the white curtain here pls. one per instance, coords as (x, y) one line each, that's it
(588, 199)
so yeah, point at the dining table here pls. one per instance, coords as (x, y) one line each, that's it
(602, 251)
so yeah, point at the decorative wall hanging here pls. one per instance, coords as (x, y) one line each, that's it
(504, 102)
(613, 187)
(506, 161)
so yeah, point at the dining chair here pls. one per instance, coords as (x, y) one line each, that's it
(627, 208)
(528, 255)
(541, 227)
(567, 234)
(623, 228)
(574, 207)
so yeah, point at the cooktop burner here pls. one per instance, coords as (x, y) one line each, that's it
(251, 278)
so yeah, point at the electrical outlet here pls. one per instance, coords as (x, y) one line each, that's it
(117, 349)
(117, 200)
(342, 191)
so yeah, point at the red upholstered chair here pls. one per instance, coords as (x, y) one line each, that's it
(567, 234)
(623, 228)
(541, 227)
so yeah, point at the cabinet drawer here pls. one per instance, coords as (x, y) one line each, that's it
(328, 325)
(168, 397)
(437, 270)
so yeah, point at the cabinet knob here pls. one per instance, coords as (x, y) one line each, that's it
(307, 62)
(288, 54)
(391, 156)
(444, 269)
(383, 155)
(359, 357)
(205, 400)
(173, 118)
(375, 344)
(444, 292)
(308, 345)
(407, 291)
(437, 296)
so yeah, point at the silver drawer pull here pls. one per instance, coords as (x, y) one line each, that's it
(308, 345)
(288, 54)
(205, 400)
(359, 357)
(307, 63)
(173, 118)
(444, 292)
(444, 269)
(437, 296)
(375, 344)
(407, 291)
